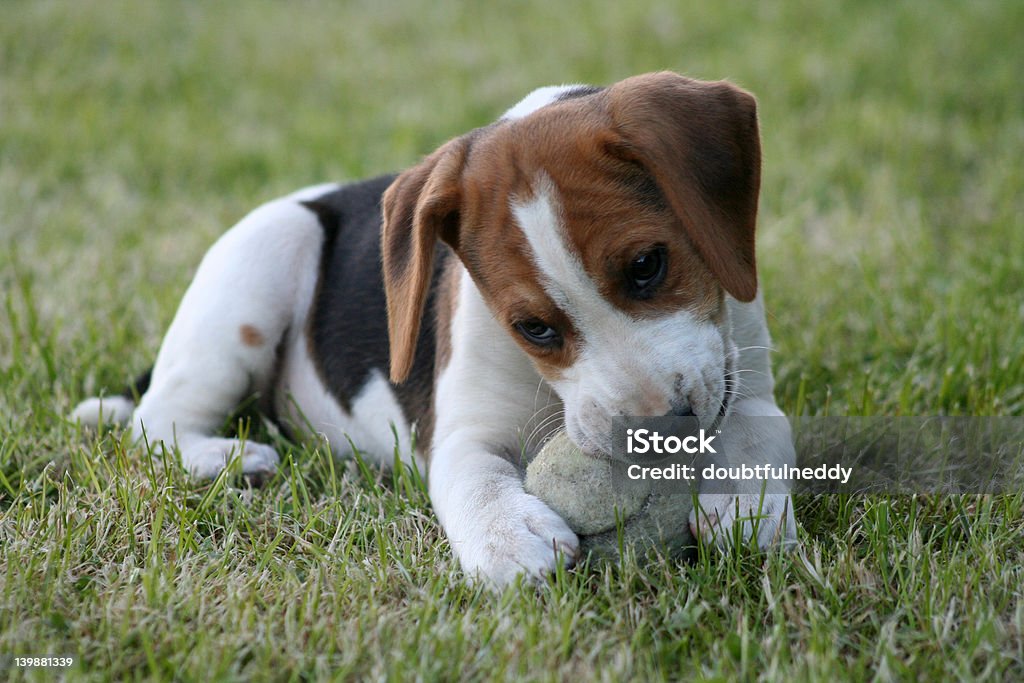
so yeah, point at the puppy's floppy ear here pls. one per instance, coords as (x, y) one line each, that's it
(700, 143)
(420, 207)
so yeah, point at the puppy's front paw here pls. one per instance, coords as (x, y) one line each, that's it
(205, 458)
(717, 517)
(513, 534)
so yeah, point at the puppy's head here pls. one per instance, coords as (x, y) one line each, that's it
(604, 230)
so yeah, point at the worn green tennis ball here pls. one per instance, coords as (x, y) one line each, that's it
(596, 500)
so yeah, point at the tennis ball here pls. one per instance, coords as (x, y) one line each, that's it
(594, 497)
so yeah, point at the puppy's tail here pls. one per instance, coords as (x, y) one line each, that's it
(112, 410)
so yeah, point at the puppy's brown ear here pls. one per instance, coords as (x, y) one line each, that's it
(700, 143)
(420, 207)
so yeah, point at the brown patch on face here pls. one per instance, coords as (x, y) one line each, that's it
(528, 304)
(510, 284)
(251, 336)
(625, 225)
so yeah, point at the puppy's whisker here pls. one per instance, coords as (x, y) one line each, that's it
(769, 349)
(536, 396)
(735, 373)
(739, 392)
(735, 387)
(544, 414)
(541, 429)
(542, 426)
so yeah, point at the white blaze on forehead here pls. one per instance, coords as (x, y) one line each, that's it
(562, 274)
(541, 97)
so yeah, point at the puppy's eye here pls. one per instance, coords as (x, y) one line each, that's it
(645, 272)
(538, 332)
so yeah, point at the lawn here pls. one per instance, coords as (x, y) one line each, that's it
(891, 251)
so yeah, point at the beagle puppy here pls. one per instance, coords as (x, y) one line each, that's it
(587, 256)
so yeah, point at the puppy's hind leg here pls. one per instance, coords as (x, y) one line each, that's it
(115, 409)
(252, 286)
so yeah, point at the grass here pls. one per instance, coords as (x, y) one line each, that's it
(891, 248)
